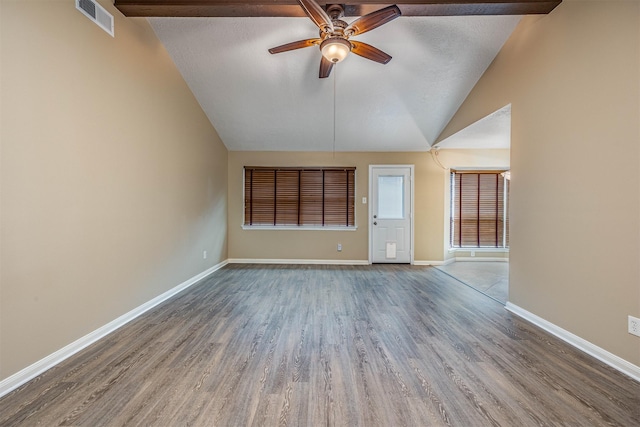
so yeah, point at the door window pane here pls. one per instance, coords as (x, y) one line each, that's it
(391, 197)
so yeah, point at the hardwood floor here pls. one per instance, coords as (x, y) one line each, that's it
(322, 346)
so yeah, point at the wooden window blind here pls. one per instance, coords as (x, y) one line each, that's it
(479, 212)
(299, 196)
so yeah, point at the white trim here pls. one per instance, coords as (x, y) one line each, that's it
(593, 350)
(30, 372)
(437, 263)
(297, 261)
(494, 250)
(476, 258)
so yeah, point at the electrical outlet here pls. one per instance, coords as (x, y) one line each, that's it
(473, 253)
(204, 254)
(634, 326)
(339, 247)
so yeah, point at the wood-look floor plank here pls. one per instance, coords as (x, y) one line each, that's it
(393, 345)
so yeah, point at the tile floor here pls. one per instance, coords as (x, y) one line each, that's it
(490, 278)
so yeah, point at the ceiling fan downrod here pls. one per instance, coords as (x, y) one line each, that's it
(335, 11)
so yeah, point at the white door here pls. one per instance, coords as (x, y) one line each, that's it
(390, 222)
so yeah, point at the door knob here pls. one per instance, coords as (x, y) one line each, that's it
(375, 216)
(375, 223)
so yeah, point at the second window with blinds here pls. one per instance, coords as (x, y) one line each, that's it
(479, 209)
(299, 197)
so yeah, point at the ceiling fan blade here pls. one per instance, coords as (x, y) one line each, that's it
(325, 68)
(295, 45)
(372, 20)
(369, 52)
(317, 15)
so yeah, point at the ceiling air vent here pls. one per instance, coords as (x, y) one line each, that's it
(97, 14)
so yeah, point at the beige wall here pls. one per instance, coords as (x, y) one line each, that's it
(572, 78)
(113, 180)
(431, 206)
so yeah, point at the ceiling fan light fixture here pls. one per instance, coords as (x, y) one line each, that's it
(335, 49)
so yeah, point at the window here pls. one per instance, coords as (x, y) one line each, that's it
(479, 209)
(391, 197)
(318, 197)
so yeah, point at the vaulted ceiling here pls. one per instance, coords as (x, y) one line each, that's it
(259, 101)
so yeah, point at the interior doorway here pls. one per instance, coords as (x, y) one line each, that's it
(479, 215)
(391, 214)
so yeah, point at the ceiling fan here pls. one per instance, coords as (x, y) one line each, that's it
(334, 37)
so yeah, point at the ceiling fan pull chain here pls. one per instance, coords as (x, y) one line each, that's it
(335, 73)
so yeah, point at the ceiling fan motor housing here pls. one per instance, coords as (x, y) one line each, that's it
(338, 29)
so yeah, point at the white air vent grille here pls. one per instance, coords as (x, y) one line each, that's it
(97, 14)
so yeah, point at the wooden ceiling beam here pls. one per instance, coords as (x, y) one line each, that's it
(291, 8)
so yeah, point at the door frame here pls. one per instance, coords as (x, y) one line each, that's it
(411, 204)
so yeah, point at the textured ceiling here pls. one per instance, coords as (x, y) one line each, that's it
(259, 101)
(490, 132)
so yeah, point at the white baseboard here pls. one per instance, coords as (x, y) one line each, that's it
(297, 261)
(461, 259)
(435, 263)
(16, 380)
(599, 353)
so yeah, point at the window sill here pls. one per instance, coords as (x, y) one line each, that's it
(297, 228)
(493, 250)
